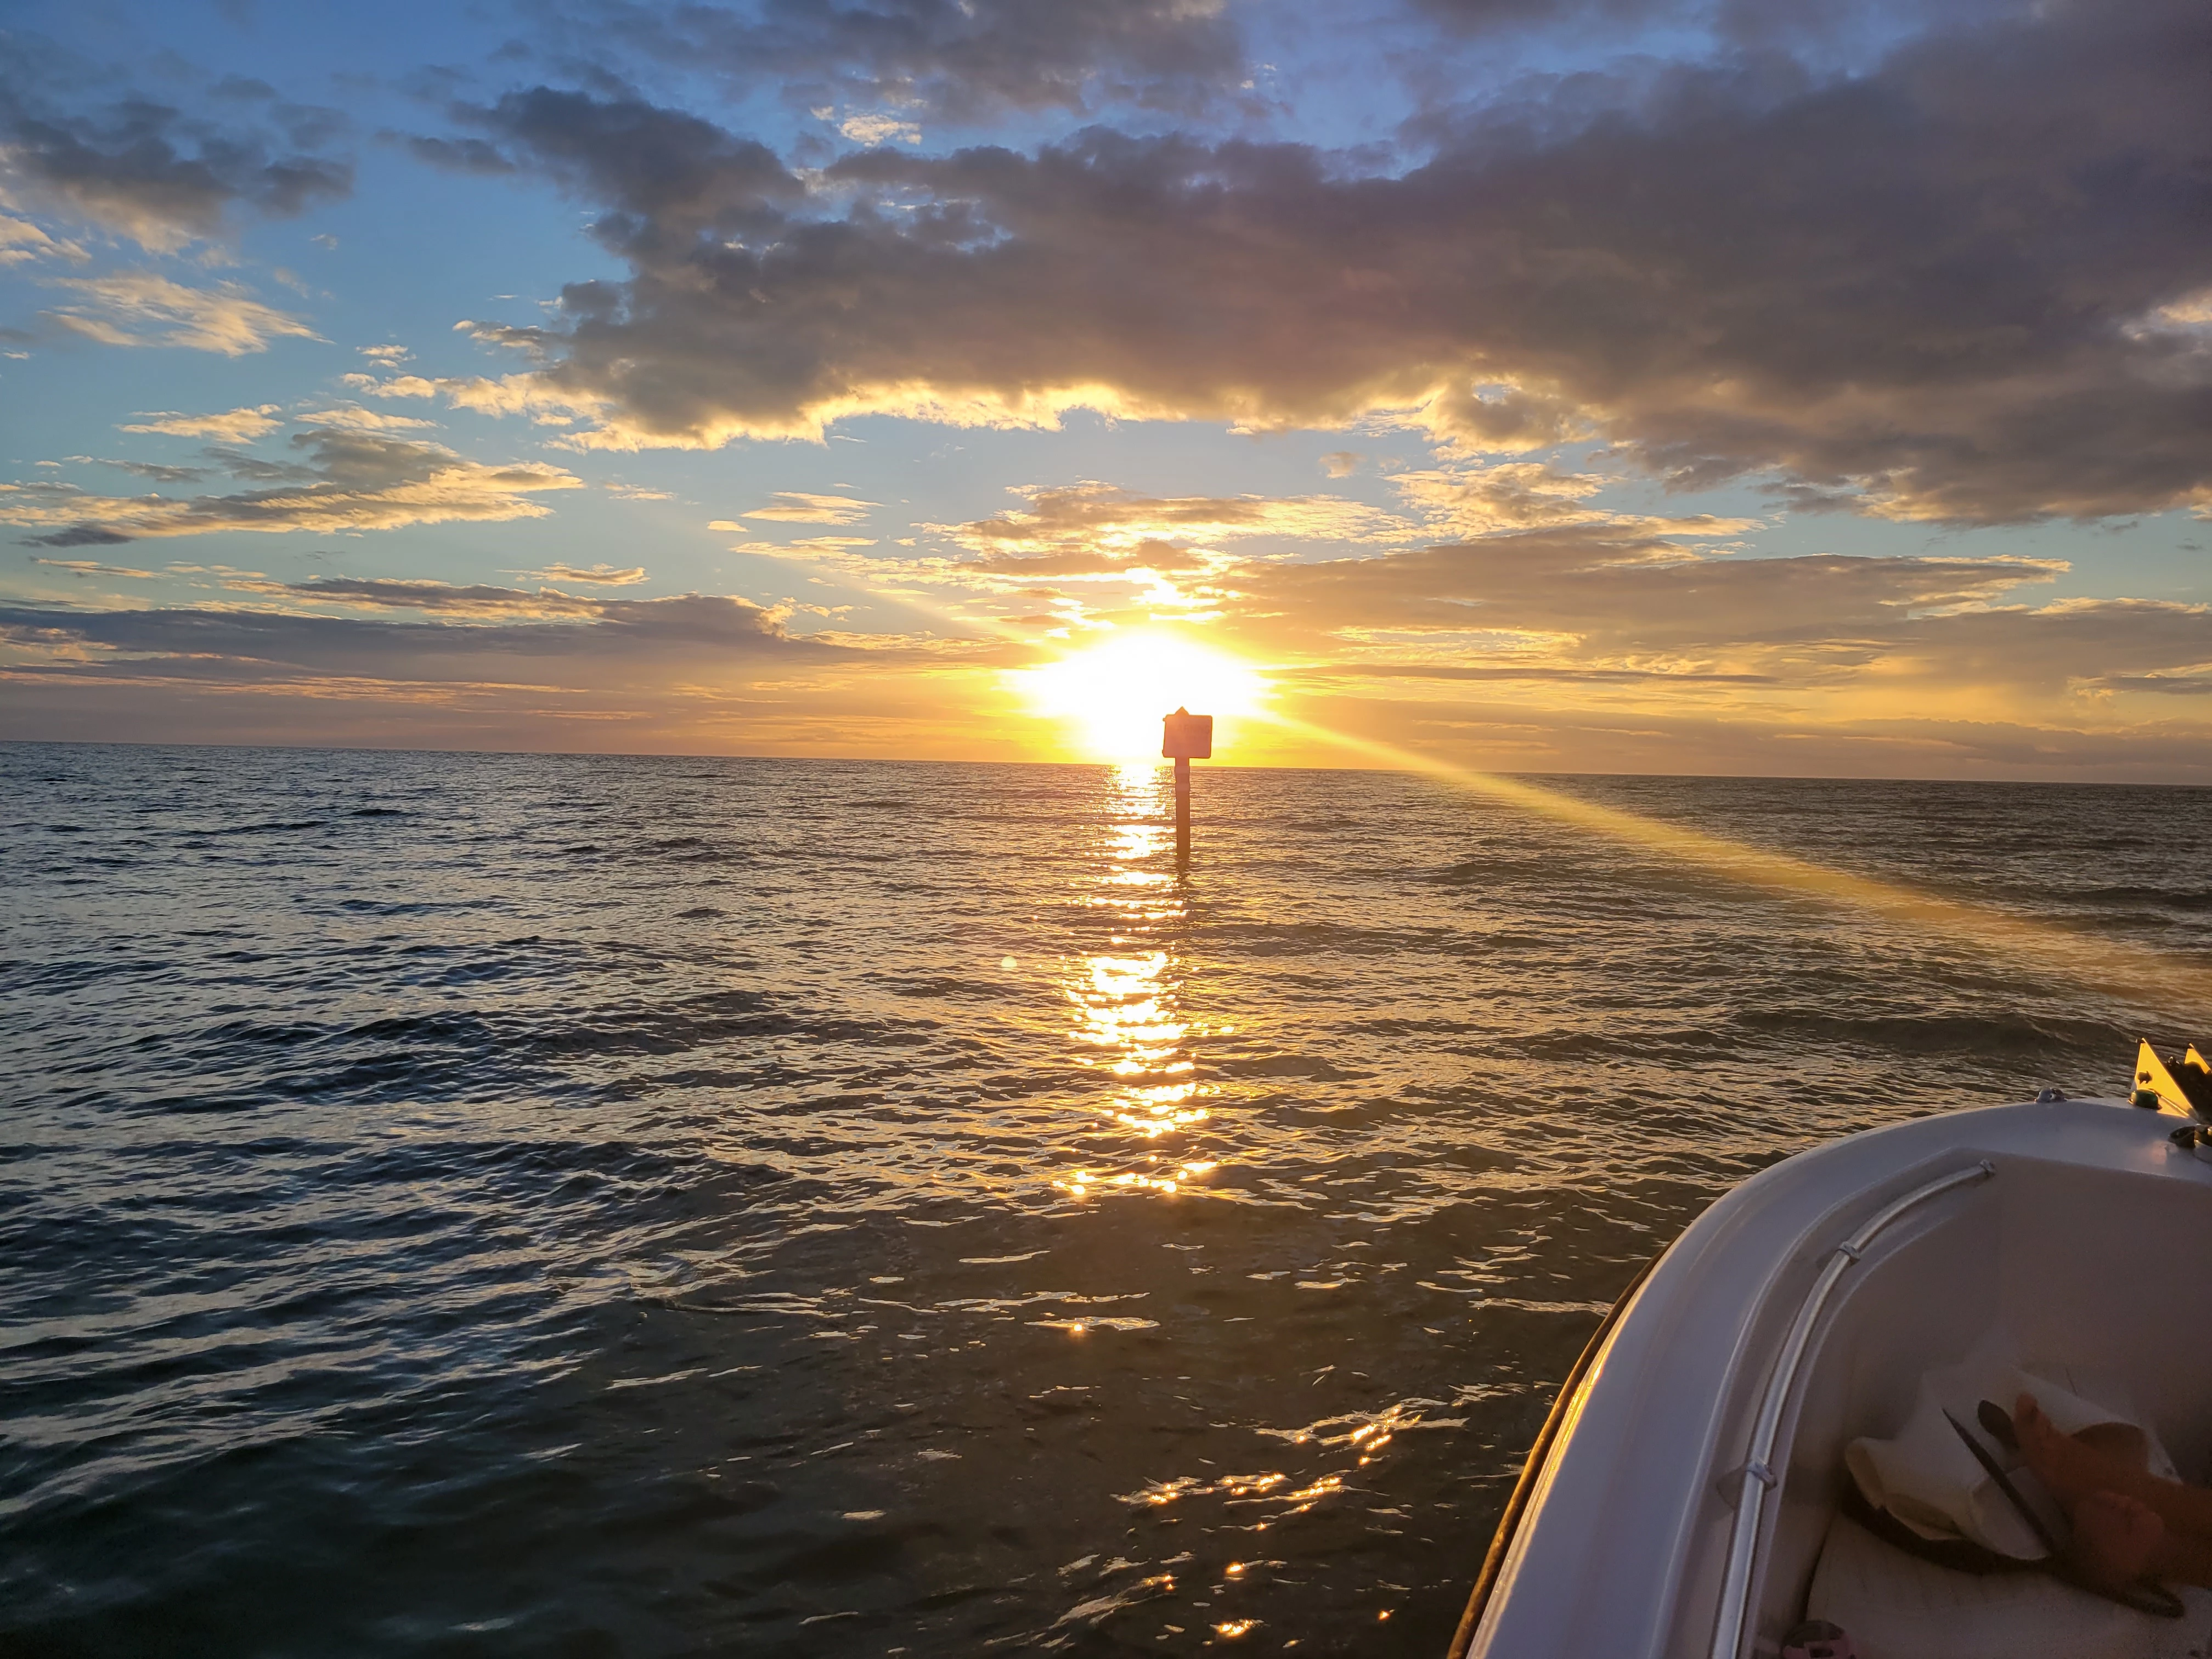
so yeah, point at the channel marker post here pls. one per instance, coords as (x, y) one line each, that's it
(1186, 737)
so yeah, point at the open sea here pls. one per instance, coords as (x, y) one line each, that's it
(521, 1205)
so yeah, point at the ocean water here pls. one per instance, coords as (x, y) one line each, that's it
(505, 1205)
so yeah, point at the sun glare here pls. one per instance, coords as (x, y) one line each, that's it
(1115, 693)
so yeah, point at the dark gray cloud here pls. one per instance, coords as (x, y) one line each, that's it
(962, 60)
(1959, 287)
(79, 535)
(151, 171)
(667, 177)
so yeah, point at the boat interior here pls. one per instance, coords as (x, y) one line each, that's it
(2083, 1273)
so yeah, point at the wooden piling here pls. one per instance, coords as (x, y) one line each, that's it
(1182, 811)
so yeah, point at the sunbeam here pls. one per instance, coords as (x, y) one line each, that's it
(2116, 965)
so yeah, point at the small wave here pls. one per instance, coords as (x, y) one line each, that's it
(1311, 1067)
(1993, 1034)
(2170, 898)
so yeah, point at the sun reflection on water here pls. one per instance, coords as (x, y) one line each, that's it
(1126, 999)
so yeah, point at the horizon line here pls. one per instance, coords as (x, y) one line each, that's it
(1222, 765)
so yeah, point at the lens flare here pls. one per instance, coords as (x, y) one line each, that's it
(2153, 976)
(1115, 694)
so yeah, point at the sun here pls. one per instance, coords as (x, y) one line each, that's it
(1115, 693)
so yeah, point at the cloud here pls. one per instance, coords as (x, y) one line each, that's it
(153, 472)
(151, 172)
(1592, 648)
(365, 420)
(1474, 500)
(239, 426)
(795, 507)
(876, 128)
(962, 60)
(1890, 290)
(447, 598)
(673, 174)
(91, 568)
(455, 632)
(356, 660)
(1603, 594)
(605, 575)
(419, 662)
(142, 308)
(22, 241)
(76, 535)
(349, 480)
(1100, 529)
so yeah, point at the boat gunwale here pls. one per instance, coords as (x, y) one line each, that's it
(1516, 1504)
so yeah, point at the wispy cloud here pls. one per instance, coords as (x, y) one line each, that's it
(237, 426)
(349, 482)
(796, 506)
(1472, 499)
(144, 308)
(873, 127)
(365, 420)
(22, 241)
(602, 575)
(1098, 529)
(92, 567)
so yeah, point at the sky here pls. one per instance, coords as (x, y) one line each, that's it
(1734, 387)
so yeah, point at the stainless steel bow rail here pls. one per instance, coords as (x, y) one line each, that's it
(1758, 1475)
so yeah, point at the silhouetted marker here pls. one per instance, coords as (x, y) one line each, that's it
(1188, 737)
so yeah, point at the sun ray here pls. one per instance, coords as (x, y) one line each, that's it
(2156, 977)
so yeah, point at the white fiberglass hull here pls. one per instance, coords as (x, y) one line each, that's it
(2081, 1241)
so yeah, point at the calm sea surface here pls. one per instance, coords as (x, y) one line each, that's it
(501, 1205)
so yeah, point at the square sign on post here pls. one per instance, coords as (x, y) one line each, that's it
(1188, 737)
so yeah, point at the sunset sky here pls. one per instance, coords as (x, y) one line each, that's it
(1631, 385)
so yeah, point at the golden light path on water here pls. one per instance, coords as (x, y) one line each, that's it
(1127, 1020)
(2116, 965)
